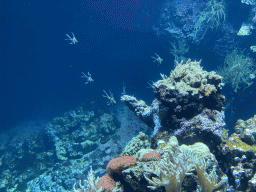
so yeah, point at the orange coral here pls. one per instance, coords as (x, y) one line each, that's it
(119, 164)
(107, 183)
(151, 156)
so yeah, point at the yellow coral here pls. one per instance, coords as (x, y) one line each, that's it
(190, 77)
(209, 182)
(235, 143)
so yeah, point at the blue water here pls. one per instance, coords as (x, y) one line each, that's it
(40, 71)
(40, 74)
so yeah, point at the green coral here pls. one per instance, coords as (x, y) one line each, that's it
(179, 50)
(212, 17)
(237, 70)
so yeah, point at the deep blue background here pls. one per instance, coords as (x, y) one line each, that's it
(40, 74)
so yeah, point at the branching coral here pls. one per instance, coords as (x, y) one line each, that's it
(237, 70)
(212, 17)
(90, 185)
(179, 50)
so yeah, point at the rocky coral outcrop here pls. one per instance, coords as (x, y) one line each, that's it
(176, 169)
(189, 100)
(239, 152)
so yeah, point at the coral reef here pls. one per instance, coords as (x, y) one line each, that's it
(137, 143)
(174, 166)
(205, 127)
(90, 184)
(237, 70)
(189, 105)
(189, 149)
(23, 158)
(181, 97)
(77, 128)
(64, 174)
(205, 160)
(106, 183)
(60, 153)
(211, 17)
(151, 156)
(177, 19)
(179, 167)
(239, 155)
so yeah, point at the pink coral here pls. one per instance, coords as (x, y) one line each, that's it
(151, 156)
(107, 183)
(119, 164)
